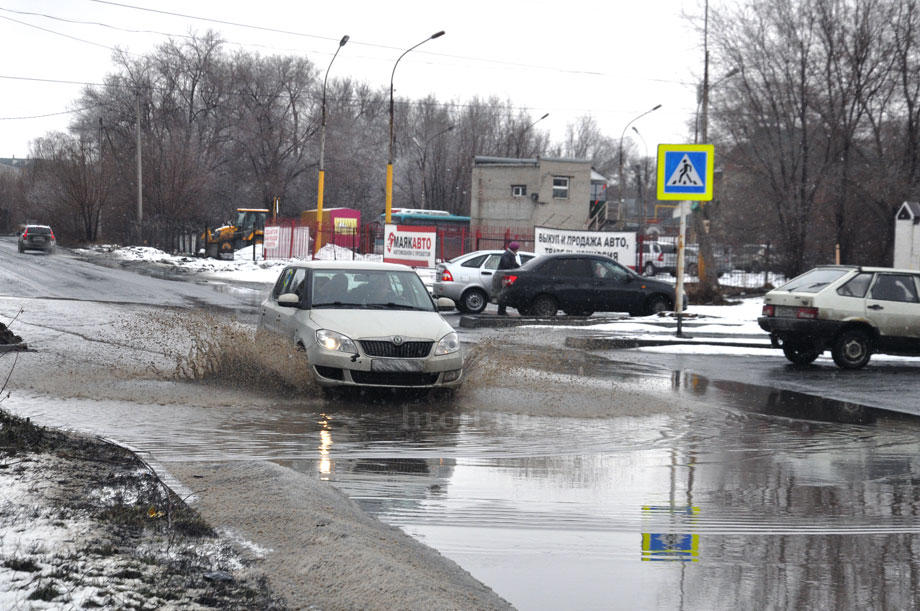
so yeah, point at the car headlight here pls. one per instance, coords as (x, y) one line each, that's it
(450, 343)
(331, 340)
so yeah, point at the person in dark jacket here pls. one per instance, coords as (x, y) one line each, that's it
(509, 260)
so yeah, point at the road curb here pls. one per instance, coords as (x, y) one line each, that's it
(606, 342)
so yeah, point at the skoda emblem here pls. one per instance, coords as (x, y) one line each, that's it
(398, 340)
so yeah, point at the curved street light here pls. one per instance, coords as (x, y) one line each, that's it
(322, 154)
(389, 192)
(622, 136)
(642, 210)
(520, 140)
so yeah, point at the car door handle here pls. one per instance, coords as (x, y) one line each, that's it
(875, 307)
(486, 273)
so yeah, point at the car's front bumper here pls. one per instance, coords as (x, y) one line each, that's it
(343, 369)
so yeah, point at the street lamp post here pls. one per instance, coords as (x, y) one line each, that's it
(322, 154)
(642, 203)
(620, 155)
(389, 192)
(520, 140)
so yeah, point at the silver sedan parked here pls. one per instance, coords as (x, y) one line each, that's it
(365, 324)
(467, 279)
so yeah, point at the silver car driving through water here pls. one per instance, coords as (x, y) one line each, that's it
(365, 324)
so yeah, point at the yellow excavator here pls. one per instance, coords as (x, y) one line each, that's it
(248, 228)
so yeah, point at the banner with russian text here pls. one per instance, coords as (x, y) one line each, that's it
(618, 245)
(409, 245)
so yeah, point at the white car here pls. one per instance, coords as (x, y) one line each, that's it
(853, 311)
(365, 324)
(467, 279)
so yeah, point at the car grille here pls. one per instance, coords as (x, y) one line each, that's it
(390, 378)
(406, 350)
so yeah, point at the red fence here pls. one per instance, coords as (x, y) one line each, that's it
(367, 239)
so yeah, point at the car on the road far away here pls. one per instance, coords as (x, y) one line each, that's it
(852, 311)
(467, 279)
(579, 285)
(37, 237)
(365, 324)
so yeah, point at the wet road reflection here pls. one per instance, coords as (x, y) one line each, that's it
(744, 496)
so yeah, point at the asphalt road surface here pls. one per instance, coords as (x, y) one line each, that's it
(559, 478)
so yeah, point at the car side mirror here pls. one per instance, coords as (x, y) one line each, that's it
(289, 300)
(445, 304)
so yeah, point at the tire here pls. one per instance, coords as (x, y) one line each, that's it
(852, 349)
(692, 269)
(544, 306)
(473, 301)
(657, 304)
(649, 269)
(212, 251)
(800, 354)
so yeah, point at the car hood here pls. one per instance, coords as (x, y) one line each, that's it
(358, 324)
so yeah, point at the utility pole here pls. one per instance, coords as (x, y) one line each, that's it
(707, 272)
(140, 180)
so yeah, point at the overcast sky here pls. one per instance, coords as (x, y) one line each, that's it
(610, 59)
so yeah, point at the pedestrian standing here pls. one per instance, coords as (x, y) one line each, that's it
(509, 260)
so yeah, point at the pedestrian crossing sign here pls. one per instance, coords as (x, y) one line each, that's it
(685, 171)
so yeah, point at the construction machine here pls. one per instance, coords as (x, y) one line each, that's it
(247, 229)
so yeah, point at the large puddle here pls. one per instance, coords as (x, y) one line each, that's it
(742, 494)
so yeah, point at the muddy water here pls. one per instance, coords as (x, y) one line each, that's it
(574, 483)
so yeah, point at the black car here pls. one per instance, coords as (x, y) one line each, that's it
(580, 284)
(36, 237)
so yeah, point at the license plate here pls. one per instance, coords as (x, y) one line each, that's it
(786, 311)
(395, 365)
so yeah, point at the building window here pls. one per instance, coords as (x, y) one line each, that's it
(518, 190)
(560, 187)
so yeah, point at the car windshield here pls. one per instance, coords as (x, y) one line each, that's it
(370, 289)
(813, 281)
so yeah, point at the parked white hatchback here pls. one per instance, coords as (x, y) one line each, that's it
(365, 324)
(853, 311)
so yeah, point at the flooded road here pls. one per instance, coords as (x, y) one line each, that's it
(739, 494)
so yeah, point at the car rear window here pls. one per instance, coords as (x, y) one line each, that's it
(813, 281)
(474, 262)
(856, 286)
(40, 230)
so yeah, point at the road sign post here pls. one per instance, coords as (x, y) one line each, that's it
(685, 174)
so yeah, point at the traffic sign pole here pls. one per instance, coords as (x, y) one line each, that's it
(685, 174)
(679, 293)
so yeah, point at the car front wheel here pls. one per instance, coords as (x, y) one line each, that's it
(544, 306)
(852, 349)
(474, 301)
(657, 304)
(650, 269)
(800, 354)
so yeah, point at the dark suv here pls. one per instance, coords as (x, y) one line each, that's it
(579, 285)
(36, 237)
